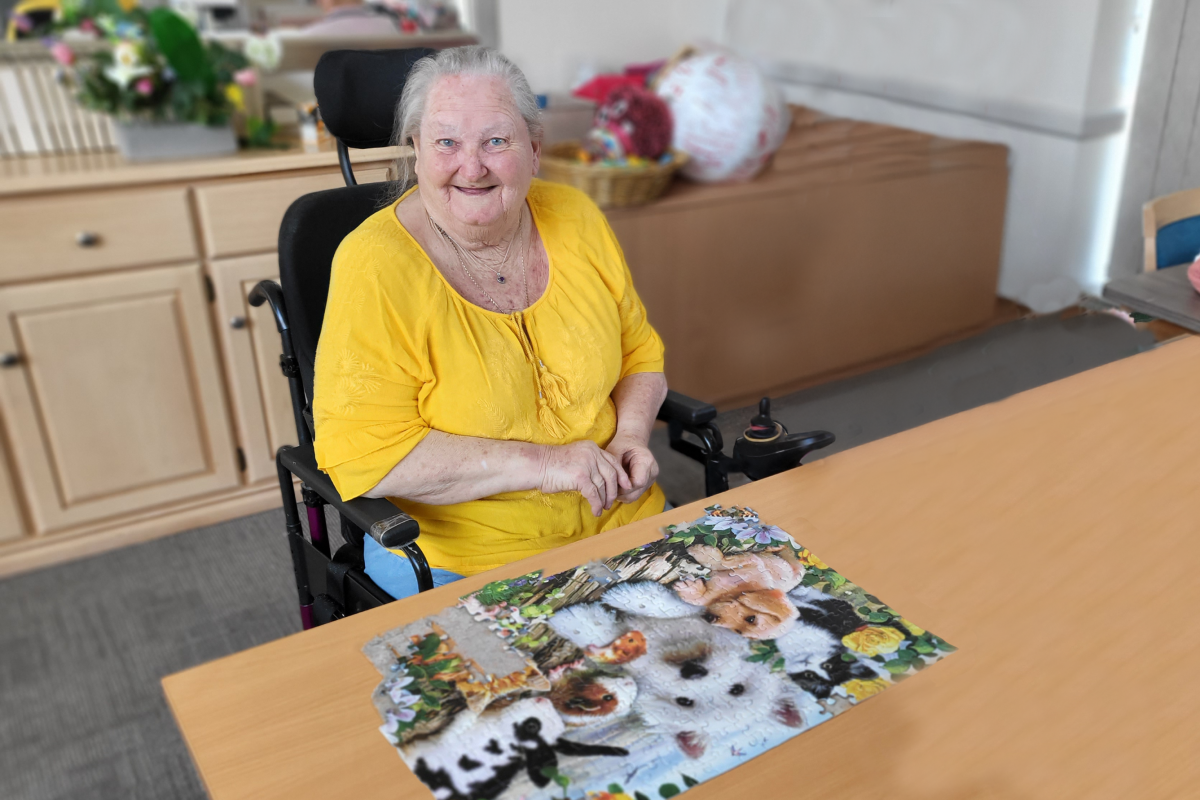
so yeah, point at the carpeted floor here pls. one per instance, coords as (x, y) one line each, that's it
(84, 645)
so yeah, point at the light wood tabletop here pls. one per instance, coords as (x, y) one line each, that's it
(1052, 537)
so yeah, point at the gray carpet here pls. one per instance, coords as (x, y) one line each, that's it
(84, 645)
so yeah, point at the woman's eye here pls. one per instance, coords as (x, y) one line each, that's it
(445, 142)
(496, 141)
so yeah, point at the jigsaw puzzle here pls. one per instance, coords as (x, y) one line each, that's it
(640, 676)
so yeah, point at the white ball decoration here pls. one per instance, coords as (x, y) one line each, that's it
(728, 116)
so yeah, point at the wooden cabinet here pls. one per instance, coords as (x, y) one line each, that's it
(258, 392)
(142, 394)
(116, 405)
(11, 524)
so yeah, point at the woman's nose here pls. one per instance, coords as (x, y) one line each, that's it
(472, 167)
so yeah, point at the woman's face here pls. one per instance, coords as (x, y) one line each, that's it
(474, 157)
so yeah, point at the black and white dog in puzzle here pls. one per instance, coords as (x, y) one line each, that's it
(478, 756)
(812, 650)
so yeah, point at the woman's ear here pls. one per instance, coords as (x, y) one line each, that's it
(537, 156)
(416, 146)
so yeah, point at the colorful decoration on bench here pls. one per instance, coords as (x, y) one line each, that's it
(640, 676)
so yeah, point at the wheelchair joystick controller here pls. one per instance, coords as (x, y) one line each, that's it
(766, 448)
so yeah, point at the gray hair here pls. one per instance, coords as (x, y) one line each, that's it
(471, 60)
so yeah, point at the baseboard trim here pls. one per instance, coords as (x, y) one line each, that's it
(36, 552)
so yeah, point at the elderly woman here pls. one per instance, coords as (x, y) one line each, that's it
(485, 362)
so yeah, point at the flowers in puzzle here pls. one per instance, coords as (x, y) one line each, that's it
(640, 676)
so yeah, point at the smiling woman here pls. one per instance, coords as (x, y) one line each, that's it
(485, 361)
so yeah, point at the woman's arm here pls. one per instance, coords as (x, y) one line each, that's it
(445, 468)
(638, 398)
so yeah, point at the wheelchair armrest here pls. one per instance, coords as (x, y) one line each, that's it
(685, 410)
(270, 292)
(382, 521)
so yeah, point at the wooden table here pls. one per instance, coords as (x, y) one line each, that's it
(1164, 293)
(1052, 537)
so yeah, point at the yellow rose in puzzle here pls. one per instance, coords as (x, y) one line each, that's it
(861, 690)
(873, 641)
(806, 558)
(915, 630)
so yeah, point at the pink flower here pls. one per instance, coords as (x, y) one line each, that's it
(22, 23)
(144, 87)
(62, 53)
(245, 77)
(87, 26)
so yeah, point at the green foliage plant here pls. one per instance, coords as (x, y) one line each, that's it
(146, 65)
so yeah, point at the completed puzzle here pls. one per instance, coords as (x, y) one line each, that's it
(640, 676)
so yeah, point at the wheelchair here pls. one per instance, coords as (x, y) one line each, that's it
(357, 92)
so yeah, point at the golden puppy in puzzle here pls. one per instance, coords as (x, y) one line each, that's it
(745, 592)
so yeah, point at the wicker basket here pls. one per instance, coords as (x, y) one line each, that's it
(610, 187)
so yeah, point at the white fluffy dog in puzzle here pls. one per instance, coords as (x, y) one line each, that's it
(693, 677)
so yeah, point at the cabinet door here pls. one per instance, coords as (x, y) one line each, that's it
(262, 406)
(116, 404)
(11, 525)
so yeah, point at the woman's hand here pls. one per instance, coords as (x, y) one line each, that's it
(636, 460)
(583, 467)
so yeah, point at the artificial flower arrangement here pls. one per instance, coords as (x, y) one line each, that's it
(150, 65)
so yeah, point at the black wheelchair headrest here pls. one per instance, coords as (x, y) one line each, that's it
(357, 92)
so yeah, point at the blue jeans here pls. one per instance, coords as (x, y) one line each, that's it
(394, 574)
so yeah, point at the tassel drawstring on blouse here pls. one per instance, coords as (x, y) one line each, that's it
(552, 389)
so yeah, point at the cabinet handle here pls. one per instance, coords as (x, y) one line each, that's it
(10, 359)
(237, 323)
(87, 239)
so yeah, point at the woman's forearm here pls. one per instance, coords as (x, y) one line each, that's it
(638, 398)
(445, 468)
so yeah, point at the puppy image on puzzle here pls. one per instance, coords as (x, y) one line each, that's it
(641, 676)
(745, 592)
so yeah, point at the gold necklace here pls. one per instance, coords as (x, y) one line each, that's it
(458, 252)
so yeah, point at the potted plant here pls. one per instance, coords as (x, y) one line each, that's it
(170, 94)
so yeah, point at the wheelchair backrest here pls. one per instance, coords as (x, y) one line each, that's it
(312, 229)
(357, 92)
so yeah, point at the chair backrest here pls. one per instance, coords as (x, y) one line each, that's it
(312, 229)
(357, 92)
(1171, 229)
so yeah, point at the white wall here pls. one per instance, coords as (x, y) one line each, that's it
(1048, 78)
(552, 39)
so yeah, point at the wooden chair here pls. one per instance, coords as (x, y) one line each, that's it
(1171, 229)
(38, 115)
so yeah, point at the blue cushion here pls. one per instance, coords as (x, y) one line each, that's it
(394, 574)
(1178, 243)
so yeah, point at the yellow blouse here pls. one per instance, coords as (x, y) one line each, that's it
(402, 353)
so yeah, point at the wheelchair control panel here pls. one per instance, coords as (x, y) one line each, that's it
(765, 448)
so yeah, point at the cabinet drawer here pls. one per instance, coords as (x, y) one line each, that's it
(66, 234)
(242, 217)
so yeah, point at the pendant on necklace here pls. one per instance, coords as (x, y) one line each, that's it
(501, 279)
